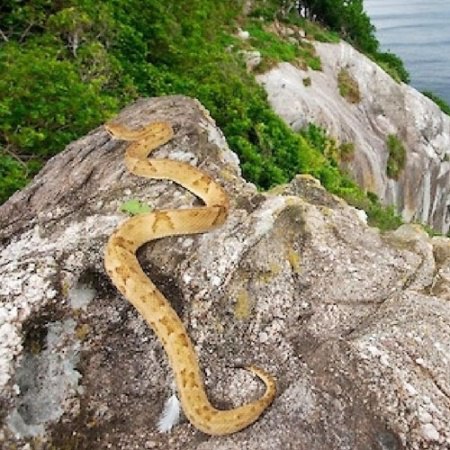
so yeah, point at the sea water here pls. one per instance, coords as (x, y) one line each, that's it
(418, 32)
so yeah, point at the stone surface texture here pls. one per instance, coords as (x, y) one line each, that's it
(354, 324)
(422, 190)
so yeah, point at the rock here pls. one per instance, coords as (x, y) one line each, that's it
(243, 34)
(422, 191)
(347, 319)
(429, 432)
(252, 58)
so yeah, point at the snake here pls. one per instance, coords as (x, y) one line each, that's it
(123, 267)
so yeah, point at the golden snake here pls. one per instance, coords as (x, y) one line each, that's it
(127, 275)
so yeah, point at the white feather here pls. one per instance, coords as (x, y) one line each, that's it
(170, 415)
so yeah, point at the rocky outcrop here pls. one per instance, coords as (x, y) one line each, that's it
(421, 192)
(355, 325)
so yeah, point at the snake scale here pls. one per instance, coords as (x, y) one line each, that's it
(127, 275)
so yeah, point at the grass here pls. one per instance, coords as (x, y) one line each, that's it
(348, 87)
(275, 49)
(443, 105)
(397, 156)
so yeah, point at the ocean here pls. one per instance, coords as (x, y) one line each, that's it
(418, 32)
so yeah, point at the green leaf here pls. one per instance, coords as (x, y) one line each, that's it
(134, 207)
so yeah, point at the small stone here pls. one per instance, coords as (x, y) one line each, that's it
(429, 432)
(187, 242)
(421, 362)
(424, 416)
(252, 58)
(244, 35)
(410, 389)
(187, 278)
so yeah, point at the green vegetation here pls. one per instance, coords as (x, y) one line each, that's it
(275, 49)
(13, 174)
(397, 156)
(67, 66)
(378, 215)
(349, 20)
(445, 107)
(393, 65)
(348, 86)
(134, 207)
(270, 45)
(347, 17)
(335, 152)
(314, 31)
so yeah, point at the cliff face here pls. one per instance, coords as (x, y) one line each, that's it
(421, 192)
(354, 325)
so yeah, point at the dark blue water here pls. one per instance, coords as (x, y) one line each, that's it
(418, 32)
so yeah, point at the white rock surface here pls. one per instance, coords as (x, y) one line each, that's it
(386, 107)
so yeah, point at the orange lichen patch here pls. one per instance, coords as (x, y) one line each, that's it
(294, 260)
(82, 331)
(242, 306)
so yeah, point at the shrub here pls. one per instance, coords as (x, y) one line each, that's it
(13, 175)
(445, 107)
(348, 87)
(346, 151)
(275, 49)
(397, 156)
(393, 65)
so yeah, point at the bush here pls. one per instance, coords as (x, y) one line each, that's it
(445, 107)
(13, 176)
(348, 87)
(275, 49)
(393, 65)
(397, 156)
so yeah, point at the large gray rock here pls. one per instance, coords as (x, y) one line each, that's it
(355, 325)
(422, 191)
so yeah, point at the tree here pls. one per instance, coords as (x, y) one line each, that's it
(347, 17)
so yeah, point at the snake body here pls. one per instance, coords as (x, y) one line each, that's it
(127, 275)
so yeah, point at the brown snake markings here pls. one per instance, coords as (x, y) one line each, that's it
(127, 275)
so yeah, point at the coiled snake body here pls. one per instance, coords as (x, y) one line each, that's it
(127, 275)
